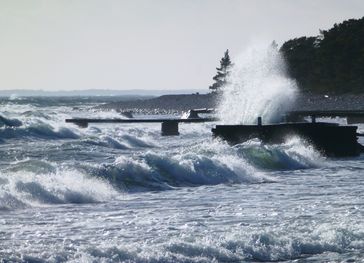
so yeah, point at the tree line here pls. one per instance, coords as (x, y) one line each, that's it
(332, 62)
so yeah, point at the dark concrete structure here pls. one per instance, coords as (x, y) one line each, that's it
(169, 126)
(328, 138)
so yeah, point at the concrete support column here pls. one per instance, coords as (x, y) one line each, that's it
(170, 128)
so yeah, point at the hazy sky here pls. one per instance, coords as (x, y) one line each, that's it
(145, 44)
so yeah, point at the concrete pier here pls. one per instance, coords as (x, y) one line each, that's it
(169, 126)
(328, 138)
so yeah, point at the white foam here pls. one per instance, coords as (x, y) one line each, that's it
(62, 186)
(257, 87)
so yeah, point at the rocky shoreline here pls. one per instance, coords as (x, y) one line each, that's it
(175, 104)
(166, 104)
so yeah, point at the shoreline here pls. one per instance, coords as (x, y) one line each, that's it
(176, 104)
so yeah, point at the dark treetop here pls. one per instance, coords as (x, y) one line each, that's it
(222, 73)
(332, 62)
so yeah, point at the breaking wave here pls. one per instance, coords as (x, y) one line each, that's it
(294, 154)
(205, 164)
(37, 130)
(34, 186)
(208, 163)
(7, 122)
(161, 172)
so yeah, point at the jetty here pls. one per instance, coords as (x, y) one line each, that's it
(169, 126)
(331, 139)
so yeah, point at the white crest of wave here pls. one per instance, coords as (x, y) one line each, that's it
(257, 87)
(208, 163)
(24, 188)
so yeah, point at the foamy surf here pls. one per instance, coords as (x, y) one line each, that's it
(124, 193)
(207, 163)
(37, 187)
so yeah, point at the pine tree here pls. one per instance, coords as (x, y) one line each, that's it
(222, 73)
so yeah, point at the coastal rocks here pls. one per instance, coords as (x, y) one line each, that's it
(169, 104)
(330, 102)
(166, 104)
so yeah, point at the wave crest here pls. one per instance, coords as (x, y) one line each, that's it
(42, 131)
(7, 122)
(22, 188)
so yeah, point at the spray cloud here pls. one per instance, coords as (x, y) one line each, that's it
(257, 86)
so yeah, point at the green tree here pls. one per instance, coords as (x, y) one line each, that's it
(222, 73)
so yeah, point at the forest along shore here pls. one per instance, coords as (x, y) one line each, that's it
(176, 104)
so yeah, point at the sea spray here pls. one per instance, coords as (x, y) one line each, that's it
(257, 86)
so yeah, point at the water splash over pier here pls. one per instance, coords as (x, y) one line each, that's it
(257, 86)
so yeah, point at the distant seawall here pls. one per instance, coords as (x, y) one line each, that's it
(183, 102)
(164, 104)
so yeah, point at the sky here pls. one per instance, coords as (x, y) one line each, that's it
(145, 44)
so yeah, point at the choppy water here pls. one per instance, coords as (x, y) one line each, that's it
(123, 193)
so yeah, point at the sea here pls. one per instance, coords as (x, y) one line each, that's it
(124, 193)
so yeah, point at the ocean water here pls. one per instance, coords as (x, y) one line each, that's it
(123, 193)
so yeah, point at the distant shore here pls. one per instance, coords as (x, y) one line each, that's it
(175, 104)
(166, 104)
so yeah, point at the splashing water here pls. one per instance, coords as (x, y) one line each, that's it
(257, 86)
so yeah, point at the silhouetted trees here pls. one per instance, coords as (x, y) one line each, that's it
(222, 73)
(333, 62)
